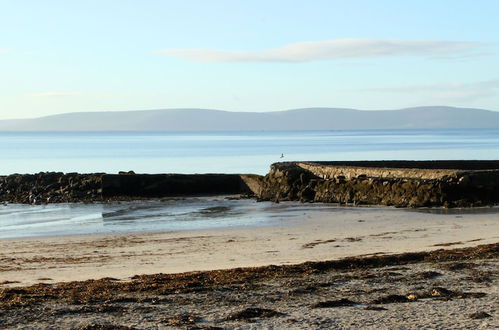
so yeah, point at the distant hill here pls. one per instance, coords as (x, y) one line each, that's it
(298, 119)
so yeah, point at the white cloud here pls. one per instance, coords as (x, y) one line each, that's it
(330, 50)
(445, 93)
(54, 94)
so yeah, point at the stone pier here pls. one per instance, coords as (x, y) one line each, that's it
(393, 183)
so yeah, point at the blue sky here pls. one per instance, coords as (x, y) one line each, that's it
(108, 55)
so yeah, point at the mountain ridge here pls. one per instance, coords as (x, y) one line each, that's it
(317, 118)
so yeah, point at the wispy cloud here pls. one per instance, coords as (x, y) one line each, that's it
(54, 94)
(462, 56)
(331, 50)
(445, 93)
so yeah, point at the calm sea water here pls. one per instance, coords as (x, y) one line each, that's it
(230, 152)
(197, 152)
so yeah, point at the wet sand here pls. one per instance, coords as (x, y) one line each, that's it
(369, 292)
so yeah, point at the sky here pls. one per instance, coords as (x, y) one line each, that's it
(59, 56)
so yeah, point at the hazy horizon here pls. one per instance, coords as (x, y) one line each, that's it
(92, 56)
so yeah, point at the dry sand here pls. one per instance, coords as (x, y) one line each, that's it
(282, 297)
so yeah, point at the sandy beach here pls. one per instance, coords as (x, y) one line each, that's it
(314, 237)
(365, 233)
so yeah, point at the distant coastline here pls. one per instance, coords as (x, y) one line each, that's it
(180, 120)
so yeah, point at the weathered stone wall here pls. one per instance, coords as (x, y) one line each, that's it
(464, 184)
(50, 187)
(160, 185)
(56, 187)
(459, 165)
(438, 183)
(350, 172)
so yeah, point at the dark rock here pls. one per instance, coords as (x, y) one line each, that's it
(250, 313)
(307, 194)
(334, 303)
(392, 298)
(441, 292)
(480, 315)
(375, 308)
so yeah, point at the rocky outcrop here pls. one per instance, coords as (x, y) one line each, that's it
(56, 187)
(396, 183)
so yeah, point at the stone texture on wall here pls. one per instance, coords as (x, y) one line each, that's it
(50, 187)
(432, 183)
(396, 183)
(57, 187)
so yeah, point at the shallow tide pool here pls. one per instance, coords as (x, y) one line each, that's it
(17, 220)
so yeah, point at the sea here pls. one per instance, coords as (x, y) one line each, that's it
(202, 152)
(230, 152)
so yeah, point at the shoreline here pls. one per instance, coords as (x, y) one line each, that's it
(291, 217)
(314, 237)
